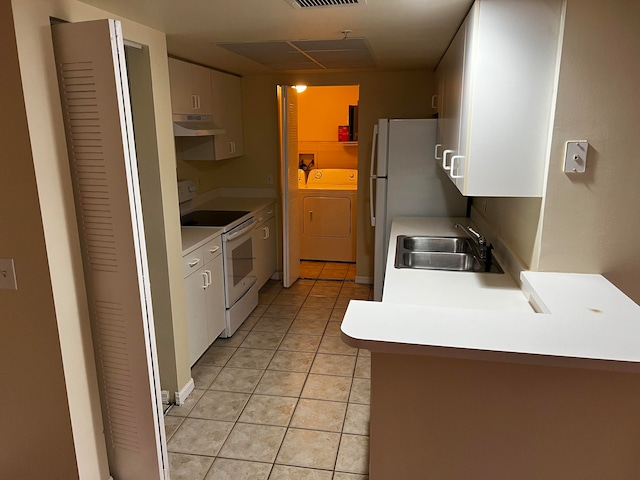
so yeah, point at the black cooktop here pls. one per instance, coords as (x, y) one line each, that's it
(211, 218)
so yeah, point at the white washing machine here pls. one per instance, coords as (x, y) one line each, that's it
(328, 208)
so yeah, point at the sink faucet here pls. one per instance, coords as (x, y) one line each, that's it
(478, 239)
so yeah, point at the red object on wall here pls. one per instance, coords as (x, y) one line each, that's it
(343, 133)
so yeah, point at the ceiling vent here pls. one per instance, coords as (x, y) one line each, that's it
(325, 3)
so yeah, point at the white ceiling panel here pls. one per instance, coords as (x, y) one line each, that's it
(400, 34)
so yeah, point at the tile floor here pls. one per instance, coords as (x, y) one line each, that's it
(284, 398)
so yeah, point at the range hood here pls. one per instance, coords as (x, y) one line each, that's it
(195, 126)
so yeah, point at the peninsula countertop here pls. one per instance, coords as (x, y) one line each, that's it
(585, 321)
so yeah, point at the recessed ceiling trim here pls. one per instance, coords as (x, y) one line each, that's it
(325, 3)
(306, 54)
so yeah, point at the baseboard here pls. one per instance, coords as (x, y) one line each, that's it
(364, 280)
(184, 392)
(276, 276)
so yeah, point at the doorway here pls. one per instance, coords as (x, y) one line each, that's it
(327, 163)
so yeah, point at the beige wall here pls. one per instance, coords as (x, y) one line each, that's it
(387, 94)
(173, 359)
(515, 221)
(48, 149)
(590, 221)
(36, 423)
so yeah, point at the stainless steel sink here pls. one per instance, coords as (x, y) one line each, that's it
(464, 262)
(436, 244)
(441, 253)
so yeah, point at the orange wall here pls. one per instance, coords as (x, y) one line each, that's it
(322, 109)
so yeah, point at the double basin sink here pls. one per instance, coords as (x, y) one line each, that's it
(442, 253)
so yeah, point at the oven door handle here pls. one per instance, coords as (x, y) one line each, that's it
(234, 235)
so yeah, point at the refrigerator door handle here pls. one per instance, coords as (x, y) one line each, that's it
(371, 201)
(372, 176)
(374, 147)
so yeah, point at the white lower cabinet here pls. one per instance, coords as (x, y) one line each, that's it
(264, 240)
(204, 291)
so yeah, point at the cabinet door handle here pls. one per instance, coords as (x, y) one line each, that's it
(311, 215)
(444, 159)
(266, 233)
(453, 168)
(209, 277)
(204, 280)
(269, 212)
(435, 153)
(214, 249)
(198, 102)
(434, 101)
(194, 262)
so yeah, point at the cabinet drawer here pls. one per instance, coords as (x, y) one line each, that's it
(192, 261)
(212, 249)
(265, 214)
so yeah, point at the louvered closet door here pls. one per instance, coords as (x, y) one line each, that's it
(289, 165)
(97, 116)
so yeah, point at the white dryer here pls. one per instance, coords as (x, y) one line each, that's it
(328, 209)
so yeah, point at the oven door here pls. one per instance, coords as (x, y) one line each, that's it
(239, 261)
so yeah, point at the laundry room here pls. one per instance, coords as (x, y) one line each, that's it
(328, 175)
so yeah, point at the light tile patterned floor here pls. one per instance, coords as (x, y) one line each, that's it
(284, 398)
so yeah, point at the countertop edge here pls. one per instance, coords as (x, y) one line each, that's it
(586, 322)
(204, 235)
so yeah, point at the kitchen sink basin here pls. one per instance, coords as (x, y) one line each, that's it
(435, 244)
(441, 253)
(464, 262)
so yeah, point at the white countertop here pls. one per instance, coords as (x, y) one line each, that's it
(195, 237)
(441, 288)
(587, 322)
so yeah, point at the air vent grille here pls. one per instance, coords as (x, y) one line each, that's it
(326, 3)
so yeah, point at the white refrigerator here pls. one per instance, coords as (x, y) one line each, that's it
(406, 181)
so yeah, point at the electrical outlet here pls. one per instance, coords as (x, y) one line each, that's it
(7, 274)
(270, 179)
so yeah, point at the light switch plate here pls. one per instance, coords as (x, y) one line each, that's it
(7, 274)
(575, 158)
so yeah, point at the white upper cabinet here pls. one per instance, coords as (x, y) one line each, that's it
(496, 87)
(190, 88)
(227, 112)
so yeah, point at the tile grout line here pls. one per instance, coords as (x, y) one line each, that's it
(275, 349)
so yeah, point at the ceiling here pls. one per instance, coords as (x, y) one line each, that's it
(400, 34)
